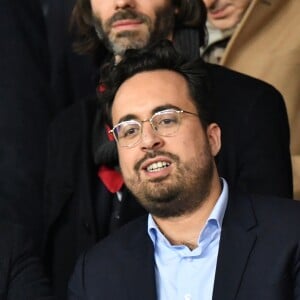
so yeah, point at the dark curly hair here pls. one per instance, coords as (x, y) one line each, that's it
(189, 31)
(159, 55)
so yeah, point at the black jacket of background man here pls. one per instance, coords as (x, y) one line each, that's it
(25, 112)
(21, 274)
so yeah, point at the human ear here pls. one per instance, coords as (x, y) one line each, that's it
(213, 133)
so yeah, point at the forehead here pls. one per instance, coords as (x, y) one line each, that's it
(142, 93)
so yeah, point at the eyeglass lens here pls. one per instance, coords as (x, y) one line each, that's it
(165, 123)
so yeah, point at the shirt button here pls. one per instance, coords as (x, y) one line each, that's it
(188, 297)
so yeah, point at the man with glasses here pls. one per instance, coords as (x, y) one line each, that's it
(200, 240)
(85, 196)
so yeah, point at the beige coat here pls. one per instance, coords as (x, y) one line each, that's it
(266, 45)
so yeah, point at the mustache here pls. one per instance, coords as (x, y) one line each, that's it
(153, 154)
(127, 14)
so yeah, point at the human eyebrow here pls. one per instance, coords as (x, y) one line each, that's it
(128, 118)
(154, 110)
(164, 107)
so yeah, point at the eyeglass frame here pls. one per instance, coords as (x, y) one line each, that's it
(141, 122)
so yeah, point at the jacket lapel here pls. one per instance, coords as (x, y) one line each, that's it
(140, 279)
(237, 241)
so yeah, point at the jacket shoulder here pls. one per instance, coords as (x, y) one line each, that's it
(124, 238)
(120, 248)
(278, 213)
(73, 117)
(126, 258)
(234, 80)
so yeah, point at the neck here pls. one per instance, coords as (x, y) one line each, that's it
(185, 229)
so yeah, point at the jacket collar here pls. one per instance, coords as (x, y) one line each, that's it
(139, 255)
(237, 241)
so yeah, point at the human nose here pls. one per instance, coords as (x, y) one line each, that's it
(121, 4)
(150, 140)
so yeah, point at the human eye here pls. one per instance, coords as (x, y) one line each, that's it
(167, 119)
(129, 130)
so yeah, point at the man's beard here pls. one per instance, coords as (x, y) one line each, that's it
(118, 43)
(181, 193)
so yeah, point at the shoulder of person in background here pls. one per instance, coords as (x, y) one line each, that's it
(22, 276)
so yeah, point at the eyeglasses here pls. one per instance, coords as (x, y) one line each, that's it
(164, 123)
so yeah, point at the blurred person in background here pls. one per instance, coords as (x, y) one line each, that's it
(261, 38)
(25, 113)
(73, 76)
(22, 275)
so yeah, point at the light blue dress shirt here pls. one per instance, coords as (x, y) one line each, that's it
(184, 274)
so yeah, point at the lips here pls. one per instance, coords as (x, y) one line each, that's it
(127, 22)
(157, 166)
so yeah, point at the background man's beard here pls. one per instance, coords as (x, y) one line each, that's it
(128, 40)
(186, 192)
(119, 43)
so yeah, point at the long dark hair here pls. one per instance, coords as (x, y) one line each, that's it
(189, 31)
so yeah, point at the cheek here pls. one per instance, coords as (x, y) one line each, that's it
(207, 2)
(191, 143)
(127, 161)
(102, 10)
(185, 148)
(239, 12)
(95, 6)
(193, 148)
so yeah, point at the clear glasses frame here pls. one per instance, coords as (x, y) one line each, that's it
(164, 123)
